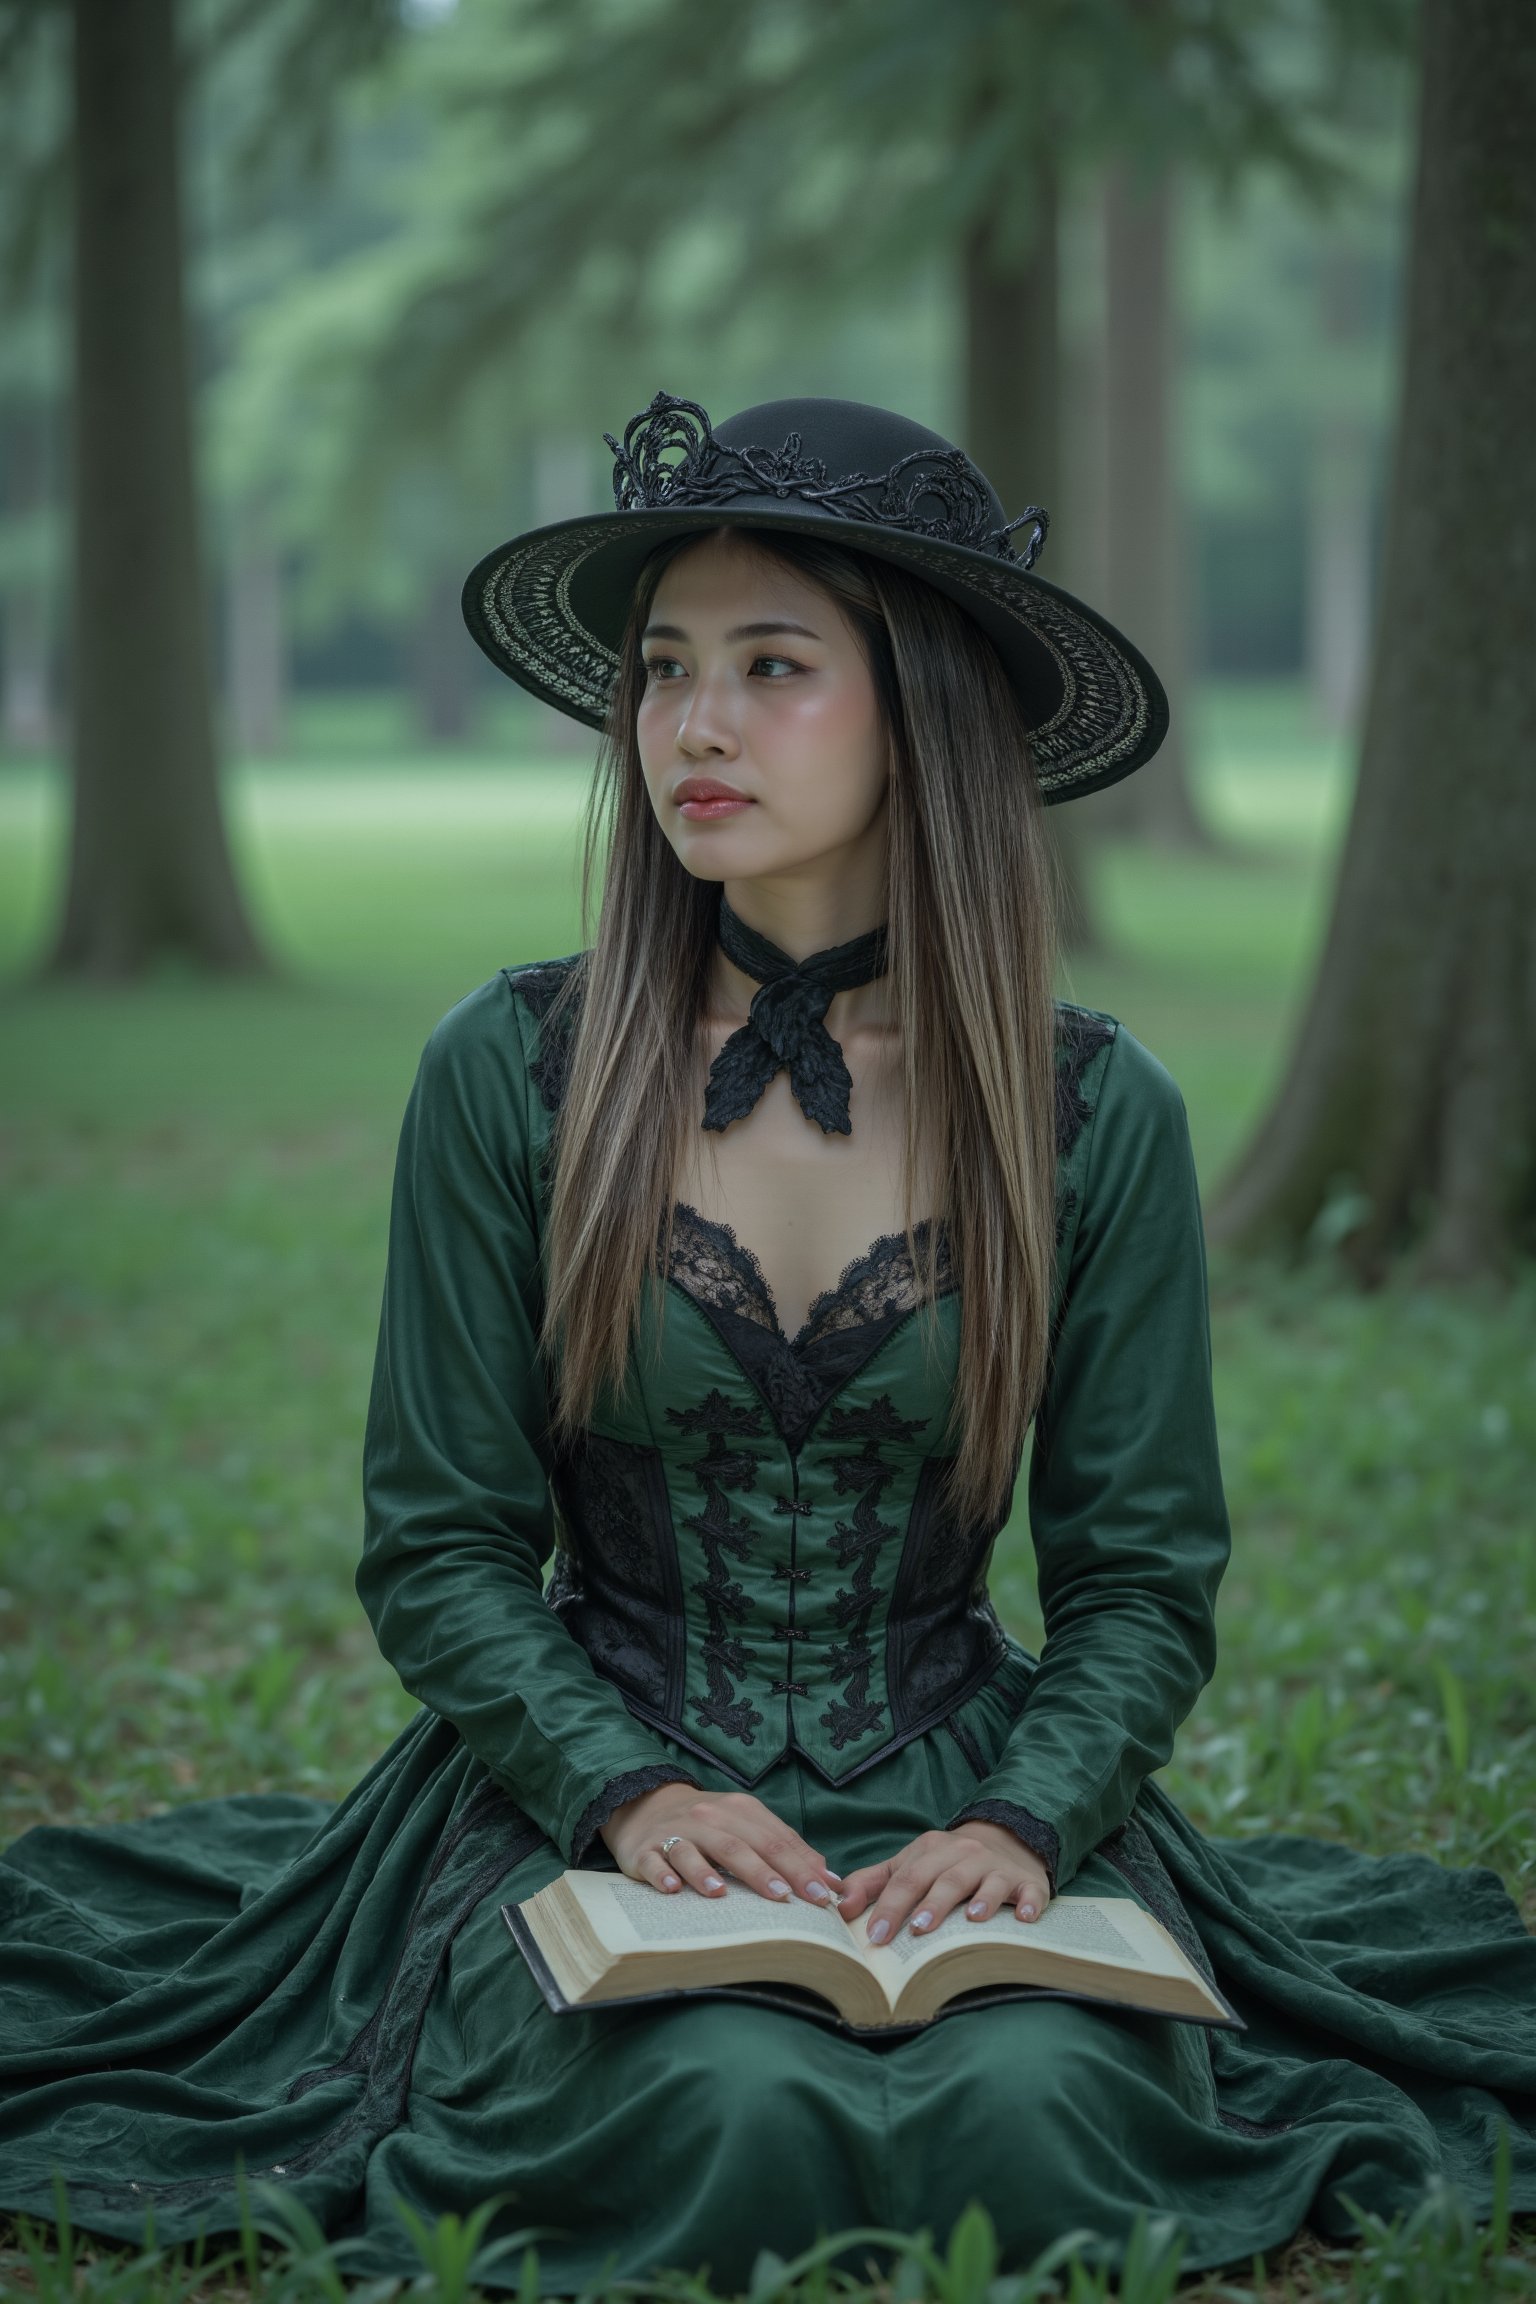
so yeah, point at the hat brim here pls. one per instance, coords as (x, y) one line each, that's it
(549, 609)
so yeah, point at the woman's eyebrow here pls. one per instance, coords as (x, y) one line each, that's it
(738, 632)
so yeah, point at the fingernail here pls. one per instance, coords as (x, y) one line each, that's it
(711, 1882)
(1028, 1911)
(670, 1880)
(880, 1931)
(831, 1875)
(975, 1911)
(779, 1888)
(815, 1888)
(921, 1919)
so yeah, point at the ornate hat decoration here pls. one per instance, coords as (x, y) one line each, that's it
(549, 607)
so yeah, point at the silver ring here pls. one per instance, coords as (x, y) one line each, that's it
(671, 1842)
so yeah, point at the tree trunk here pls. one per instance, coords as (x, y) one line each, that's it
(1013, 431)
(255, 663)
(1407, 1120)
(1145, 541)
(149, 871)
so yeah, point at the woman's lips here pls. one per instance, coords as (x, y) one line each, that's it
(705, 810)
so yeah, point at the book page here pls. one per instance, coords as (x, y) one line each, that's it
(649, 1916)
(1089, 1928)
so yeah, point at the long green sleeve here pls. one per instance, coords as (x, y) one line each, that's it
(458, 1516)
(1126, 1507)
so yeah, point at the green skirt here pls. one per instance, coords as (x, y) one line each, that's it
(328, 1997)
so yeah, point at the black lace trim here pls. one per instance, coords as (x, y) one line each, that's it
(615, 1793)
(709, 1261)
(671, 456)
(1079, 1037)
(1042, 1838)
(857, 1544)
(1131, 1852)
(539, 984)
(845, 1325)
(724, 1466)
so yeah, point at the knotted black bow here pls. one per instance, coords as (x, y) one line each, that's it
(784, 1025)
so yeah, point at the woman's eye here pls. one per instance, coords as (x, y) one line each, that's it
(657, 665)
(787, 661)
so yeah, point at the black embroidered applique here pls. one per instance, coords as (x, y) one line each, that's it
(670, 456)
(857, 1543)
(723, 1468)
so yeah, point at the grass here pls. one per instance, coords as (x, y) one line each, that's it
(195, 1182)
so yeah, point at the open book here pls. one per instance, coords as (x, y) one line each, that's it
(598, 1938)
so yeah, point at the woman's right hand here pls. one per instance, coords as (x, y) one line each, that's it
(729, 1829)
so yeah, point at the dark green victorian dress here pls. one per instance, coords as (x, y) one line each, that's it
(752, 1585)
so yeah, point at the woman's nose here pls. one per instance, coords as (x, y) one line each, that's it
(708, 724)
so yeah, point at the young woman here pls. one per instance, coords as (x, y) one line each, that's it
(732, 1260)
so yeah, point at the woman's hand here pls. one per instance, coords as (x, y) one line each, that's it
(730, 1829)
(982, 1866)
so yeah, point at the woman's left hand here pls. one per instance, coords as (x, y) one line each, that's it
(983, 1866)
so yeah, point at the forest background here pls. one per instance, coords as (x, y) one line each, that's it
(1166, 269)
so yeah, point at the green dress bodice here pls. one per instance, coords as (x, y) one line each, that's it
(748, 1551)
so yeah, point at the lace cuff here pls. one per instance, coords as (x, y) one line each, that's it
(1040, 1838)
(613, 1795)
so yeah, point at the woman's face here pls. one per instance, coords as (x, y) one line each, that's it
(755, 680)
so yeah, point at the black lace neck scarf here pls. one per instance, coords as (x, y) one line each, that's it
(784, 1025)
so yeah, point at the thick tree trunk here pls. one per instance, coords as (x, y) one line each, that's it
(1013, 430)
(1407, 1119)
(255, 662)
(150, 871)
(1145, 545)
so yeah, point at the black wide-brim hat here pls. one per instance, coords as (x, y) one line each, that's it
(549, 608)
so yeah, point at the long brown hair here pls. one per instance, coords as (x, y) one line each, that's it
(973, 911)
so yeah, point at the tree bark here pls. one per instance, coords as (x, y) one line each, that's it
(1013, 431)
(1145, 543)
(150, 873)
(1406, 1123)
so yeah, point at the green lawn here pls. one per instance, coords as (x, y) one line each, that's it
(195, 1182)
